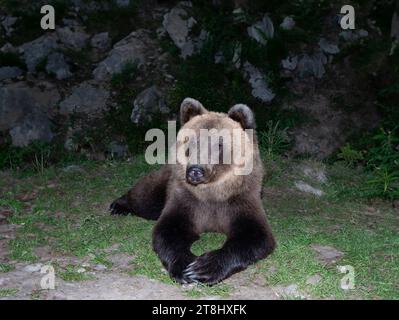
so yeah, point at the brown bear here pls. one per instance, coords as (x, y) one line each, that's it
(189, 198)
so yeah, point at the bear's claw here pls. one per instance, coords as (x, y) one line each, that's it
(118, 209)
(205, 269)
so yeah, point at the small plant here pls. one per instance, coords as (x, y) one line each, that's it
(385, 183)
(274, 140)
(127, 74)
(349, 155)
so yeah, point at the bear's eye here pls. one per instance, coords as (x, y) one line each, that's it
(186, 139)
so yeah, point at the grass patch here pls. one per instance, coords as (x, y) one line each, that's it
(7, 292)
(5, 267)
(72, 218)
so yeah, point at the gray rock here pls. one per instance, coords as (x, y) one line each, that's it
(101, 41)
(34, 126)
(317, 173)
(312, 65)
(85, 98)
(262, 30)
(57, 65)
(290, 63)
(313, 280)
(178, 26)
(118, 150)
(353, 35)
(10, 72)
(18, 100)
(73, 37)
(100, 267)
(8, 23)
(8, 47)
(327, 254)
(33, 267)
(328, 47)
(122, 3)
(133, 48)
(305, 187)
(395, 26)
(288, 23)
(35, 51)
(148, 102)
(257, 81)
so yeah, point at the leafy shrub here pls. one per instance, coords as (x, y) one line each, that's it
(274, 140)
(349, 155)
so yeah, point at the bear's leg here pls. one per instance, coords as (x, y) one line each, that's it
(249, 241)
(147, 198)
(173, 236)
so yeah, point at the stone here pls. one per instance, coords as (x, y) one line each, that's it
(18, 100)
(100, 267)
(8, 23)
(290, 63)
(33, 268)
(87, 98)
(256, 79)
(305, 187)
(73, 37)
(34, 126)
(10, 73)
(312, 65)
(122, 3)
(262, 30)
(288, 23)
(327, 254)
(327, 47)
(353, 35)
(133, 48)
(101, 41)
(8, 47)
(316, 173)
(313, 280)
(35, 51)
(178, 26)
(57, 65)
(148, 102)
(118, 150)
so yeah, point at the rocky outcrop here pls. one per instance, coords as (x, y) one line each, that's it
(35, 51)
(25, 112)
(134, 48)
(262, 30)
(257, 81)
(86, 98)
(147, 103)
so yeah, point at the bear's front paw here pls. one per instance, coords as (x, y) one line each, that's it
(120, 207)
(210, 268)
(177, 268)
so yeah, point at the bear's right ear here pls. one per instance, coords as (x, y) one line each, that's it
(243, 115)
(190, 108)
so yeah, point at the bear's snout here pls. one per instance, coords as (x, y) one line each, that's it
(195, 174)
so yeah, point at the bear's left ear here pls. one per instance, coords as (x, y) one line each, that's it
(190, 108)
(244, 115)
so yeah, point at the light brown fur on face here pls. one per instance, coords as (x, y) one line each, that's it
(224, 182)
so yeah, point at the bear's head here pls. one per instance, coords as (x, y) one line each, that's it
(216, 152)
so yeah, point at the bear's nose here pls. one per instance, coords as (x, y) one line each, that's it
(195, 174)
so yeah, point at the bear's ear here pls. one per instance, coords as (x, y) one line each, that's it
(243, 115)
(190, 108)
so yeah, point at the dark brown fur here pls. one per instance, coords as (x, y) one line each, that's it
(232, 207)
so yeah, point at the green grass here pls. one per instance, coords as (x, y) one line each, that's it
(5, 267)
(6, 292)
(70, 215)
